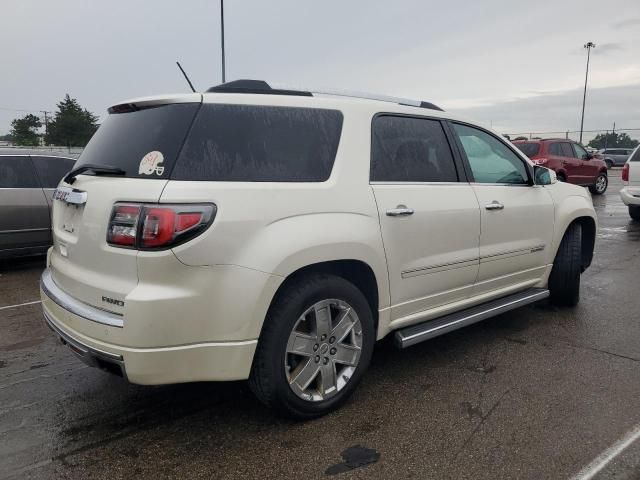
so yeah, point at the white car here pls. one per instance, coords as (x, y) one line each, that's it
(630, 193)
(275, 235)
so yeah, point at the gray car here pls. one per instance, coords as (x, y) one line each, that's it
(27, 183)
(614, 157)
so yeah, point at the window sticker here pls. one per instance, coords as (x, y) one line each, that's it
(150, 164)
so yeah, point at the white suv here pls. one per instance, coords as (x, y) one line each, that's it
(275, 235)
(630, 193)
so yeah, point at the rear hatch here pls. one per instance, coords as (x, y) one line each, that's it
(140, 140)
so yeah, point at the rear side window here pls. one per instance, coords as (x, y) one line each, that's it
(155, 134)
(566, 150)
(407, 149)
(17, 172)
(529, 149)
(251, 143)
(52, 169)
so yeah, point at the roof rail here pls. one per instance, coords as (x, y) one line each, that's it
(262, 87)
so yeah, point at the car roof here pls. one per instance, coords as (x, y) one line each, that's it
(35, 155)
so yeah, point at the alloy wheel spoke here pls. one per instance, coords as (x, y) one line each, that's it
(305, 374)
(328, 376)
(301, 344)
(347, 355)
(323, 320)
(344, 326)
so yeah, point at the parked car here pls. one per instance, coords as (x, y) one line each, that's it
(569, 160)
(614, 157)
(27, 183)
(630, 193)
(275, 235)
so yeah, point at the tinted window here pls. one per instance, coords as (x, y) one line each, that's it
(635, 157)
(52, 169)
(491, 160)
(17, 172)
(565, 149)
(529, 149)
(410, 150)
(580, 152)
(125, 138)
(248, 143)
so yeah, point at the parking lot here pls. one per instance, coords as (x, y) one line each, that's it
(539, 392)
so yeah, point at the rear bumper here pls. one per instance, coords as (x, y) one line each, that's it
(71, 320)
(630, 195)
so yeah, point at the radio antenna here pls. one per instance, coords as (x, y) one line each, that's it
(186, 77)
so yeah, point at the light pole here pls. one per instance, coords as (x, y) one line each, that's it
(222, 36)
(588, 46)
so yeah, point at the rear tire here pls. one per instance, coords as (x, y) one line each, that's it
(634, 212)
(602, 182)
(609, 164)
(561, 177)
(564, 281)
(276, 374)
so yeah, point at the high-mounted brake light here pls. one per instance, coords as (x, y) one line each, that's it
(625, 172)
(156, 227)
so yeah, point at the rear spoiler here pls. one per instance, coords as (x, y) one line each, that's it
(150, 102)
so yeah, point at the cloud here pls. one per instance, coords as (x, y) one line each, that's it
(629, 22)
(605, 48)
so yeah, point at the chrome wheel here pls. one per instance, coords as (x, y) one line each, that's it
(323, 350)
(601, 184)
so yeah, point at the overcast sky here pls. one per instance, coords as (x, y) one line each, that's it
(515, 65)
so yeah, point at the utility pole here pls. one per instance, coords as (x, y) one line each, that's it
(588, 46)
(46, 123)
(224, 77)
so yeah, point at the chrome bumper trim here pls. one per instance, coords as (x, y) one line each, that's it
(76, 307)
(89, 355)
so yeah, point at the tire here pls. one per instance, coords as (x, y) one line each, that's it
(634, 212)
(609, 164)
(602, 182)
(561, 177)
(564, 281)
(275, 369)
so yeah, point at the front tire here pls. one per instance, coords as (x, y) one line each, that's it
(315, 346)
(634, 212)
(564, 281)
(602, 182)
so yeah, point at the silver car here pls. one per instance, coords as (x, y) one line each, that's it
(614, 157)
(27, 183)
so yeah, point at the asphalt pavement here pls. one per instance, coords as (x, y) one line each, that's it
(540, 392)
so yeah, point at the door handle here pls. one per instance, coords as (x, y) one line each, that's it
(400, 211)
(495, 205)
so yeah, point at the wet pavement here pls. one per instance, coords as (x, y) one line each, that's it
(536, 393)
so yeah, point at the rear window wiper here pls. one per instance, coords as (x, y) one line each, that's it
(89, 167)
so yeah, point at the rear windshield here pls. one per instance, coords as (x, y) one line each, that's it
(636, 155)
(250, 143)
(529, 149)
(143, 143)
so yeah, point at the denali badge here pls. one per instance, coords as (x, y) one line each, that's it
(150, 164)
(113, 301)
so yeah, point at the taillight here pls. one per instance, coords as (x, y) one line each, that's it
(625, 172)
(156, 227)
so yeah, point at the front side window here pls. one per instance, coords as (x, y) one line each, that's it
(491, 161)
(253, 143)
(580, 152)
(17, 172)
(409, 149)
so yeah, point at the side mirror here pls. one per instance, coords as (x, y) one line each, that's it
(544, 176)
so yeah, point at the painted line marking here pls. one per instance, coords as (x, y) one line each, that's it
(602, 460)
(20, 305)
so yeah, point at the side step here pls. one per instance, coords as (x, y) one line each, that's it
(433, 328)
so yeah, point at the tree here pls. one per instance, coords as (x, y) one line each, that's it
(521, 138)
(612, 139)
(72, 125)
(24, 130)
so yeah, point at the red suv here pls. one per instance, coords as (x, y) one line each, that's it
(571, 162)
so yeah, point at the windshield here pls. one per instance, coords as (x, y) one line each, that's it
(529, 149)
(143, 143)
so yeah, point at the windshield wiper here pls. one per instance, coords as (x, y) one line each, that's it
(89, 167)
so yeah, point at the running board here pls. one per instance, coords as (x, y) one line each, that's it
(433, 328)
